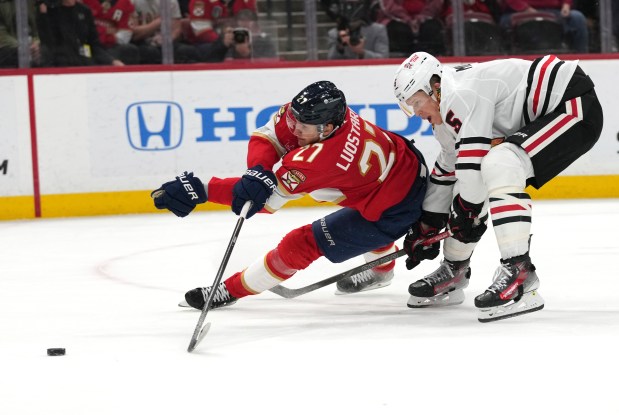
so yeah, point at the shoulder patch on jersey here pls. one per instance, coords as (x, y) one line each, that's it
(280, 113)
(292, 178)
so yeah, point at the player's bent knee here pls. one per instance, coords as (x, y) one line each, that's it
(298, 249)
(502, 168)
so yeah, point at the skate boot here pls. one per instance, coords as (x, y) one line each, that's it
(445, 286)
(197, 297)
(365, 280)
(513, 291)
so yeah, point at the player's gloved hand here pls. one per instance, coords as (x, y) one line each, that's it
(256, 185)
(464, 220)
(429, 225)
(180, 196)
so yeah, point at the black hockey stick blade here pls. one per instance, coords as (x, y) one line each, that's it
(295, 292)
(202, 329)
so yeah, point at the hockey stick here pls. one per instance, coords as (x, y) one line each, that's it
(201, 330)
(295, 292)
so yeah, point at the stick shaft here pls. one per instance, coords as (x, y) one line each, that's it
(295, 292)
(199, 326)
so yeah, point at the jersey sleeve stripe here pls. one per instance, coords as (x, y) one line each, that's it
(468, 166)
(439, 182)
(472, 153)
(467, 141)
(443, 171)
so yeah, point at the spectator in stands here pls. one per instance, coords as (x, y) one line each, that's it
(114, 19)
(8, 35)
(261, 44)
(574, 22)
(231, 43)
(217, 50)
(413, 25)
(147, 33)
(69, 36)
(359, 39)
(206, 16)
(223, 30)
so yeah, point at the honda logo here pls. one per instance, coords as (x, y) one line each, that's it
(154, 125)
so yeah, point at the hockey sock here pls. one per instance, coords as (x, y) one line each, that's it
(385, 250)
(296, 251)
(511, 220)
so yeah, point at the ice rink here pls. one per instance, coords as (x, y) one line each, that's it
(107, 288)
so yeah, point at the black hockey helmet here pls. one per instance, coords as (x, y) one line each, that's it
(320, 103)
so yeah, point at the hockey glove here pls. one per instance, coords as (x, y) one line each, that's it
(465, 222)
(180, 196)
(429, 225)
(256, 186)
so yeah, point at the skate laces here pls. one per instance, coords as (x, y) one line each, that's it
(501, 279)
(221, 294)
(443, 273)
(362, 276)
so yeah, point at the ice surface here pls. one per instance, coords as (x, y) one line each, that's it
(107, 288)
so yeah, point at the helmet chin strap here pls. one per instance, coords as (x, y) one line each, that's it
(321, 136)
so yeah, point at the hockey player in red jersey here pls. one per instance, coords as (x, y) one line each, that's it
(502, 125)
(328, 151)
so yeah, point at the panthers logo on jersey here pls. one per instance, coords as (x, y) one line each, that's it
(291, 179)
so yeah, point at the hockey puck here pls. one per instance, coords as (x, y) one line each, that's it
(58, 351)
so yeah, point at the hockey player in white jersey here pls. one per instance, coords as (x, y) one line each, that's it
(502, 125)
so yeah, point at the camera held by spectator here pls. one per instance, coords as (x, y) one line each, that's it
(357, 39)
(241, 35)
(349, 34)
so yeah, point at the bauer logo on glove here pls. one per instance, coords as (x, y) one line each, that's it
(180, 196)
(264, 178)
(256, 186)
(188, 187)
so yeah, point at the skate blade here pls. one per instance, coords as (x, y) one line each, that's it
(529, 303)
(369, 288)
(184, 304)
(442, 300)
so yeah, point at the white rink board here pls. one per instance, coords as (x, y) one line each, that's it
(89, 126)
(15, 147)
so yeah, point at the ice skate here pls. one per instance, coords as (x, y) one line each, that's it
(512, 293)
(197, 297)
(443, 287)
(366, 280)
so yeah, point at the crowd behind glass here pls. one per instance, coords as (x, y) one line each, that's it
(61, 33)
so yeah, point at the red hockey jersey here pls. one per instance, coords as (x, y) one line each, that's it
(113, 20)
(360, 166)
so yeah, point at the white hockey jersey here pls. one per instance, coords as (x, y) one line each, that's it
(483, 101)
